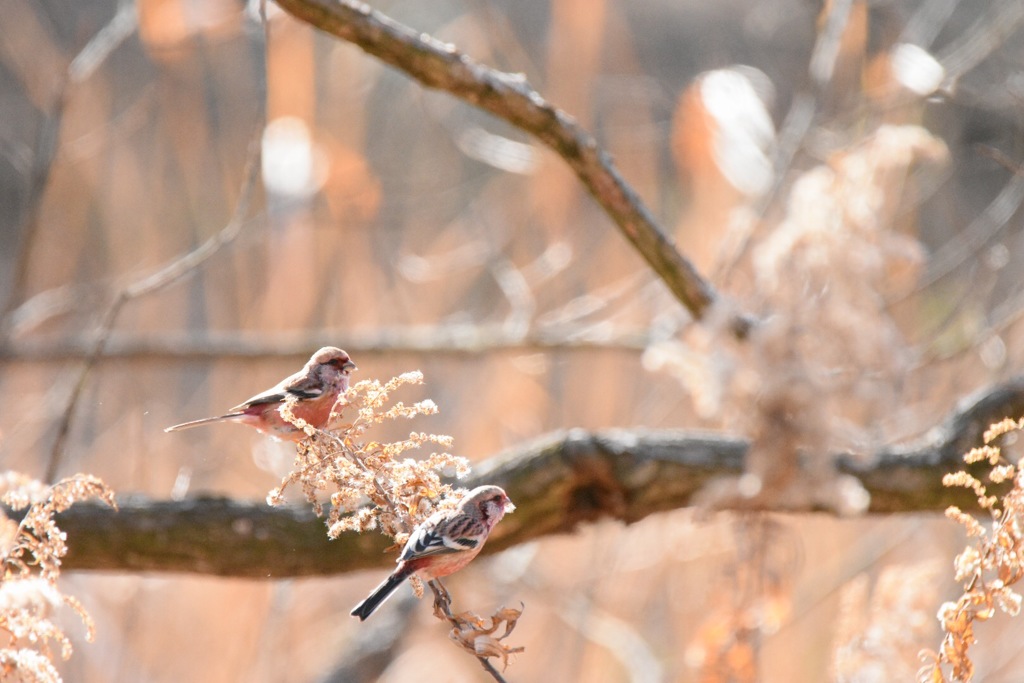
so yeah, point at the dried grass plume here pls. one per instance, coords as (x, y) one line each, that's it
(30, 552)
(375, 486)
(988, 567)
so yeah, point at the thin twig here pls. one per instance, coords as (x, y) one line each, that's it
(1002, 158)
(164, 277)
(123, 23)
(974, 45)
(509, 97)
(441, 340)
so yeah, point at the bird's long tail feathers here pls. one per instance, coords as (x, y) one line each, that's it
(379, 595)
(205, 420)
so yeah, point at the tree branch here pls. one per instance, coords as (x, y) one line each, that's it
(509, 97)
(557, 483)
(443, 340)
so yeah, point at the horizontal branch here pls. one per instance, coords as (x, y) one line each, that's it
(557, 483)
(509, 97)
(447, 340)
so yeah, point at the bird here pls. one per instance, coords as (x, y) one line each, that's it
(312, 392)
(443, 543)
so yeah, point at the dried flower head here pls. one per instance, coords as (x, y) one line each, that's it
(478, 636)
(374, 485)
(30, 553)
(353, 469)
(990, 566)
(828, 269)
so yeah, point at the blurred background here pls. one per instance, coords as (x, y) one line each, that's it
(848, 171)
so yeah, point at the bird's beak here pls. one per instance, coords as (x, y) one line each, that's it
(349, 366)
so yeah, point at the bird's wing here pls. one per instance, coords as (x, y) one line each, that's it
(430, 541)
(299, 385)
(305, 386)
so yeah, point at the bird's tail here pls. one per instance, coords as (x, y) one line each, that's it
(205, 420)
(379, 595)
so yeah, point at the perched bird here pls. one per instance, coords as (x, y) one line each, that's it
(443, 543)
(312, 391)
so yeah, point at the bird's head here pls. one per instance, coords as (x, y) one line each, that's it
(492, 502)
(333, 365)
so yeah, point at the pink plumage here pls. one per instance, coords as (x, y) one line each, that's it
(312, 391)
(443, 544)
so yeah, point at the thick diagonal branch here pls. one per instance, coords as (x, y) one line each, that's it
(509, 97)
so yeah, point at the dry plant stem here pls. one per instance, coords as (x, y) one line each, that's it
(385, 498)
(443, 603)
(990, 565)
(509, 97)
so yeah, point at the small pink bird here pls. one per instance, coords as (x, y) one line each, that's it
(313, 390)
(443, 543)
